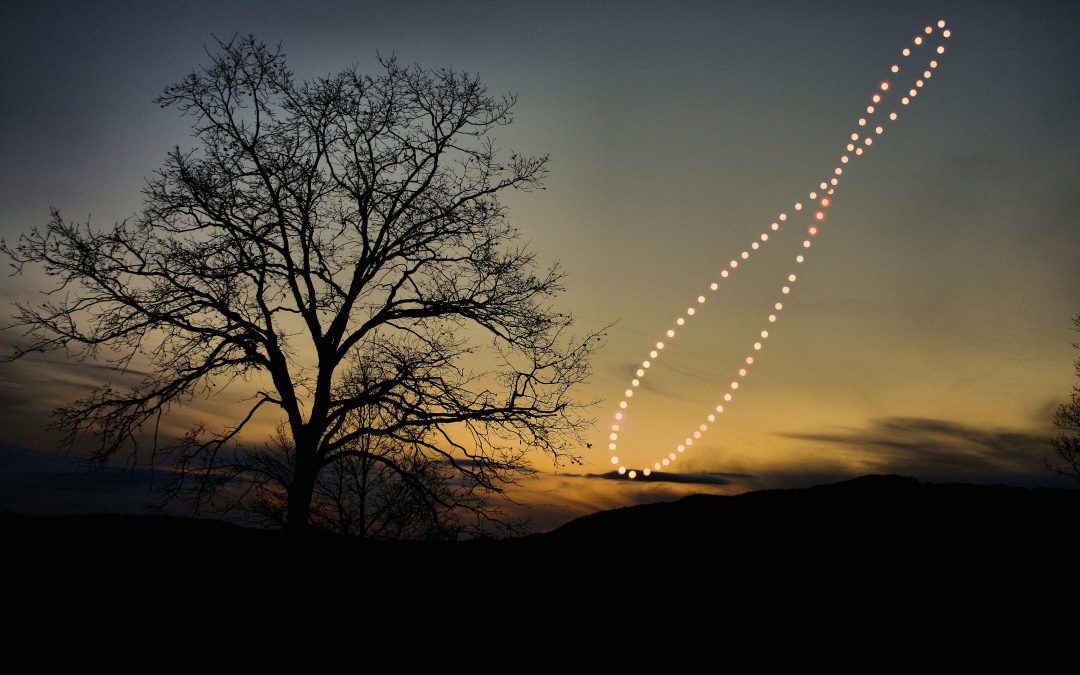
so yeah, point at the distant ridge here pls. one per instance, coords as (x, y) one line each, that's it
(893, 533)
(865, 493)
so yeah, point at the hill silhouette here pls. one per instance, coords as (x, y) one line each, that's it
(893, 532)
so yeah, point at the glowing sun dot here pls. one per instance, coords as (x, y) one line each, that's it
(892, 116)
(850, 147)
(783, 216)
(749, 360)
(812, 230)
(635, 382)
(614, 427)
(680, 321)
(844, 159)
(928, 30)
(820, 215)
(947, 34)
(755, 246)
(659, 345)
(611, 446)
(904, 100)
(825, 202)
(858, 151)
(646, 364)
(734, 385)
(775, 227)
(785, 290)
(734, 264)
(703, 428)
(681, 448)
(838, 171)
(862, 122)
(672, 456)
(742, 372)
(744, 255)
(618, 416)
(622, 470)
(918, 40)
(632, 475)
(657, 466)
(870, 109)
(895, 69)
(869, 141)
(854, 137)
(813, 195)
(772, 318)
(670, 333)
(906, 52)
(701, 298)
(798, 206)
(653, 354)
(712, 286)
(711, 418)
(727, 397)
(640, 372)
(941, 49)
(791, 278)
(835, 181)
(622, 404)
(719, 408)
(757, 346)
(690, 311)
(764, 334)
(919, 83)
(941, 23)
(614, 460)
(933, 64)
(876, 98)
(884, 86)
(666, 461)
(879, 130)
(798, 259)
(806, 244)
(779, 306)
(646, 471)
(927, 74)
(724, 274)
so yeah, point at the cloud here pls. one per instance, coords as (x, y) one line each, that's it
(939, 449)
(697, 478)
(44, 483)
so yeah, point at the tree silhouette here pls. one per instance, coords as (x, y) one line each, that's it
(1067, 419)
(339, 242)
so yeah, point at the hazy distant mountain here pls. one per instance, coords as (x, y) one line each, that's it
(890, 532)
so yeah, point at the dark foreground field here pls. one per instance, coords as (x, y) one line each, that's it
(873, 535)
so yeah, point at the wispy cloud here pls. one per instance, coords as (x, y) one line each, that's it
(938, 449)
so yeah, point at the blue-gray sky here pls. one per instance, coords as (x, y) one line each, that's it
(936, 302)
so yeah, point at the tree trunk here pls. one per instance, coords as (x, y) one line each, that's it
(298, 512)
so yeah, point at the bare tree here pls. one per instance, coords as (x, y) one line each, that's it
(1067, 419)
(339, 242)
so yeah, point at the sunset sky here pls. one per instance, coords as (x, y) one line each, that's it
(929, 332)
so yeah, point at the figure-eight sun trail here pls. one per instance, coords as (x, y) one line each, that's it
(870, 128)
